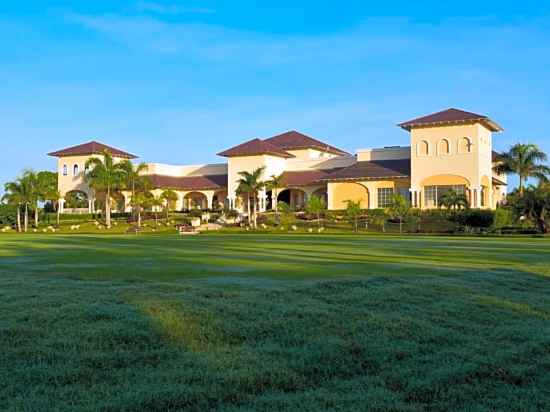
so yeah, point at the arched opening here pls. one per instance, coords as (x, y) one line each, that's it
(117, 202)
(295, 198)
(436, 186)
(76, 199)
(75, 170)
(485, 192)
(195, 200)
(342, 192)
(219, 200)
(423, 148)
(444, 147)
(464, 145)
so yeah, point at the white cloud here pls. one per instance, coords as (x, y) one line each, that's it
(171, 9)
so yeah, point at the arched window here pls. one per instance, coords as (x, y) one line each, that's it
(423, 148)
(444, 147)
(64, 170)
(75, 170)
(464, 145)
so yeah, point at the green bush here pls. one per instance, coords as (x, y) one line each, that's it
(474, 218)
(503, 217)
(8, 215)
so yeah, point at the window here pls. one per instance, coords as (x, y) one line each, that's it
(433, 194)
(444, 147)
(465, 145)
(482, 196)
(405, 192)
(423, 148)
(385, 196)
(75, 170)
(64, 170)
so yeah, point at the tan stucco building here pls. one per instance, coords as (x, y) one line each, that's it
(451, 149)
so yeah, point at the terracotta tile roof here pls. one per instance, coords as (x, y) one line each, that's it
(90, 148)
(375, 169)
(495, 156)
(306, 177)
(209, 182)
(255, 147)
(451, 116)
(294, 140)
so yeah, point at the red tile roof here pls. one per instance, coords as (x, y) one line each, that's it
(451, 116)
(91, 148)
(496, 156)
(375, 169)
(294, 140)
(255, 147)
(306, 177)
(209, 182)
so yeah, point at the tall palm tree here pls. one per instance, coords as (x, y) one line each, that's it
(15, 196)
(452, 200)
(168, 196)
(274, 184)
(315, 205)
(47, 187)
(156, 202)
(251, 184)
(105, 175)
(30, 177)
(525, 161)
(133, 176)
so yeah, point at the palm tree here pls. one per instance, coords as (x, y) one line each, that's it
(274, 184)
(15, 196)
(250, 184)
(133, 176)
(399, 209)
(168, 197)
(523, 160)
(315, 205)
(47, 187)
(353, 211)
(105, 175)
(156, 202)
(20, 193)
(30, 177)
(452, 200)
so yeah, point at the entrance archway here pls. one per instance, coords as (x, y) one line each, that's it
(295, 198)
(195, 200)
(76, 199)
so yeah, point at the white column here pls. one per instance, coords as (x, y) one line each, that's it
(61, 205)
(90, 205)
(475, 200)
(330, 197)
(209, 199)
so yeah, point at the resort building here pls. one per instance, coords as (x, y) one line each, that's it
(448, 150)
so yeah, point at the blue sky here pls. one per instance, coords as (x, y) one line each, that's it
(178, 81)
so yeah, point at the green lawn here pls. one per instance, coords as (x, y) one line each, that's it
(247, 322)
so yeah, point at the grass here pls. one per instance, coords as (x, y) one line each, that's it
(246, 322)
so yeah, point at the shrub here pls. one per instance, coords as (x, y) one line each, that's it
(8, 214)
(503, 217)
(474, 218)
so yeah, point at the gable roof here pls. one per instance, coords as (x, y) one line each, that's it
(294, 140)
(207, 182)
(90, 148)
(255, 147)
(374, 169)
(450, 116)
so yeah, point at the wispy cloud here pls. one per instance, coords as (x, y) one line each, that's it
(171, 9)
(218, 43)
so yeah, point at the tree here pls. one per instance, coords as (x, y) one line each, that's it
(399, 208)
(315, 205)
(251, 184)
(30, 177)
(353, 212)
(156, 202)
(274, 184)
(523, 160)
(378, 217)
(535, 205)
(16, 195)
(453, 200)
(168, 197)
(105, 175)
(134, 176)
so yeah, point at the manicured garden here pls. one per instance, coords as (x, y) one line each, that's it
(243, 322)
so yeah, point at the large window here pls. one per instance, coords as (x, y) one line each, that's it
(75, 170)
(433, 194)
(64, 170)
(385, 195)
